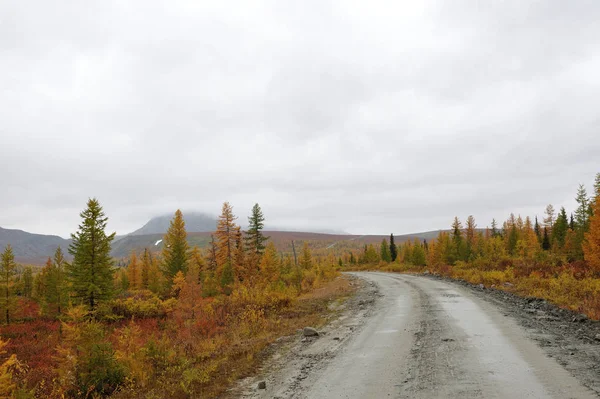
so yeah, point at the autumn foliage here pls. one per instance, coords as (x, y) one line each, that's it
(182, 323)
(558, 261)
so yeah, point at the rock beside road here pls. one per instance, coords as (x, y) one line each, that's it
(310, 332)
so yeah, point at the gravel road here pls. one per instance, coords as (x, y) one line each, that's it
(406, 336)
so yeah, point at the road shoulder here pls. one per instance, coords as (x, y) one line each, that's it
(293, 362)
(570, 338)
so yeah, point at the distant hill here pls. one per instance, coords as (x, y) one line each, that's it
(194, 221)
(199, 222)
(282, 240)
(36, 248)
(31, 248)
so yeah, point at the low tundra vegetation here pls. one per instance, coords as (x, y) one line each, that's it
(181, 323)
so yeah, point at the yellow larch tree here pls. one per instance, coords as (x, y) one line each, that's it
(226, 235)
(134, 273)
(270, 264)
(591, 245)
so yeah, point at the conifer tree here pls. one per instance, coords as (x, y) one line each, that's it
(591, 244)
(537, 230)
(134, 272)
(55, 295)
(458, 247)
(175, 252)
(197, 263)
(27, 282)
(371, 255)
(582, 211)
(549, 219)
(7, 295)
(530, 241)
(226, 235)
(306, 257)
(470, 235)
(91, 272)
(393, 249)
(155, 277)
(384, 251)
(227, 277)
(255, 239)
(270, 264)
(495, 232)
(212, 254)
(417, 254)
(545, 240)
(572, 222)
(513, 238)
(146, 265)
(561, 226)
(456, 230)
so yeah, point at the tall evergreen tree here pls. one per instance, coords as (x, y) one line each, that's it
(27, 282)
(546, 240)
(537, 230)
(255, 239)
(561, 226)
(572, 222)
(384, 251)
(7, 271)
(55, 296)
(495, 232)
(91, 272)
(458, 247)
(393, 249)
(582, 211)
(175, 251)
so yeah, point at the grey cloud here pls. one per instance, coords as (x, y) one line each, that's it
(365, 117)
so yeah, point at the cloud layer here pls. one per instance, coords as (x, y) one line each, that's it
(368, 117)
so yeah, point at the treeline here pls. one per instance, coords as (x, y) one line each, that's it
(165, 325)
(557, 258)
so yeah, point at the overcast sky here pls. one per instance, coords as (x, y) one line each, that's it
(361, 116)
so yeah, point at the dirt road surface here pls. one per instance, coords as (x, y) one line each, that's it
(406, 336)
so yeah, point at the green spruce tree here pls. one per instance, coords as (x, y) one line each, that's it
(546, 240)
(537, 230)
(175, 252)
(560, 228)
(384, 251)
(393, 248)
(255, 239)
(27, 282)
(91, 271)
